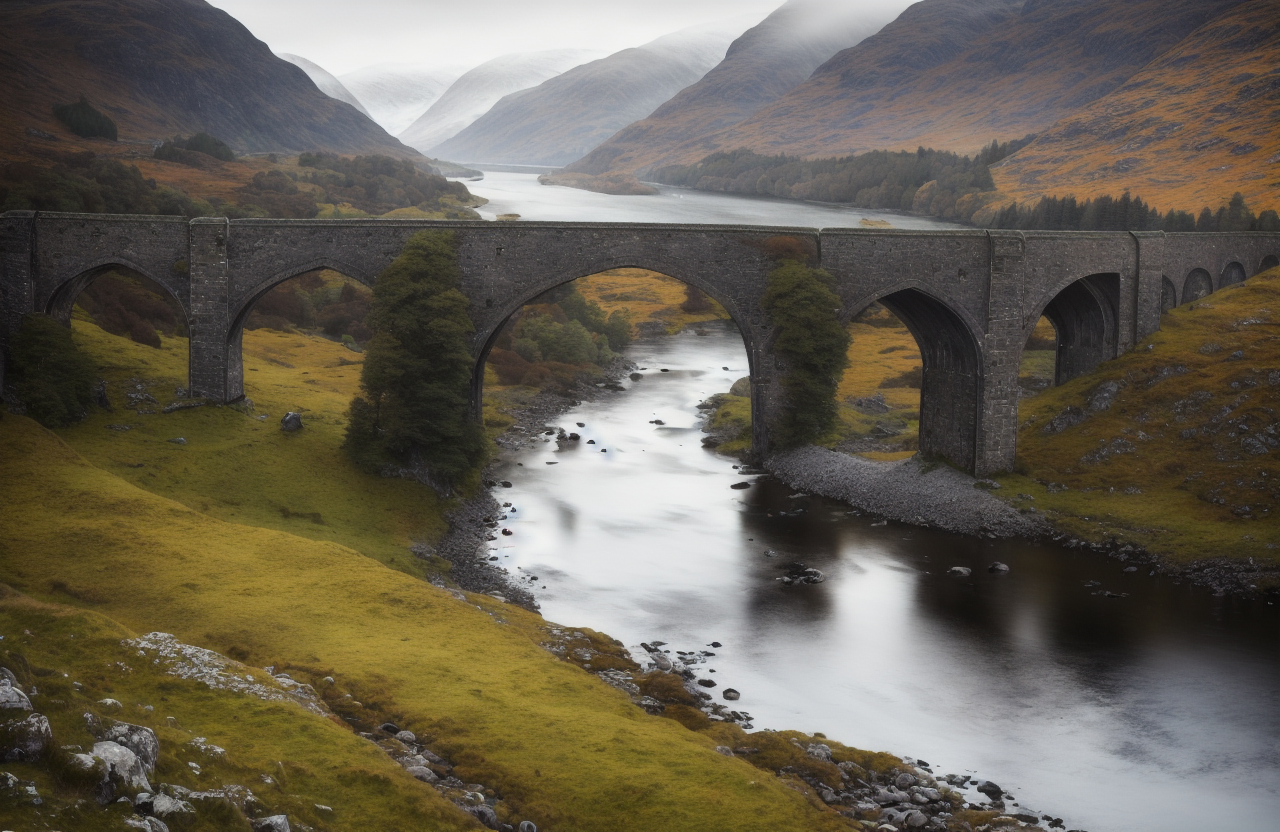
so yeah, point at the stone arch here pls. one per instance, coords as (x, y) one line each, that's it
(1085, 314)
(244, 306)
(1168, 295)
(1269, 262)
(63, 297)
(496, 316)
(238, 316)
(1197, 285)
(1232, 273)
(952, 377)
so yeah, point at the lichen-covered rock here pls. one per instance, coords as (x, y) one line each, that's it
(423, 773)
(275, 823)
(163, 806)
(25, 740)
(123, 766)
(137, 738)
(12, 697)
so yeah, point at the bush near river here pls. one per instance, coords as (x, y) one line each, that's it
(274, 550)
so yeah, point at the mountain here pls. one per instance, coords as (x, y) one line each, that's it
(325, 80)
(766, 61)
(480, 88)
(954, 74)
(565, 117)
(1189, 129)
(165, 67)
(395, 95)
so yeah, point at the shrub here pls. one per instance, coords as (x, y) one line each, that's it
(53, 378)
(813, 345)
(82, 119)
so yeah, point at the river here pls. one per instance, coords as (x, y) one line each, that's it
(1155, 711)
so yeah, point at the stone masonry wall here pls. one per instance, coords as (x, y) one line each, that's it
(970, 297)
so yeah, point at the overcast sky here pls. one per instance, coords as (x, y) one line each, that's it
(344, 35)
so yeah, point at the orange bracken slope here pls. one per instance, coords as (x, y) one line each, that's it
(1196, 125)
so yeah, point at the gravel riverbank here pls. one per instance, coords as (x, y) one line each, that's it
(908, 491)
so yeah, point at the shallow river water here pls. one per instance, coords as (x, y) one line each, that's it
(1155, 711)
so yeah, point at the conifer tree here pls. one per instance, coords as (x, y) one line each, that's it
(803, 305)
(413, 414)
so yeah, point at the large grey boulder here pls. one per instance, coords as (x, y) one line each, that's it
(12, 697)
(137, 738)
(123, 766)
(25, 740)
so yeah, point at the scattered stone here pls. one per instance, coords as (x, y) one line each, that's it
(422, 773)
(725, 750)
(147, 824)
(738, 486)
(176, 406)
(24, 741)
(289, 423)
(527, 826)
(12, 697)
(819, 751)
(163, 806)
(111, 704)
(798, 573)
(1102, 396)
(120, 427)
(706, 683)
(389, 728)
(407, 737)
(990, 789)
(178, 440)
(1072, 415)
(274, 823)
(485, 814)
(960, 571)
(998, 568)
(731, 694)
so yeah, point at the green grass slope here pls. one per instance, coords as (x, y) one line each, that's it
(1183, 461)
(108, 532)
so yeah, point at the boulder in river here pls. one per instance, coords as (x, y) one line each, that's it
(998, 568)
(731, 694)
(738, 486)
(960, 571)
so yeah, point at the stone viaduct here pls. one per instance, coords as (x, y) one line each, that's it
(970, 297)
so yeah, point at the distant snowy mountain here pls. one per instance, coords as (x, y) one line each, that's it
(477, 90)
(322, 78)
(565, 117)
(396, 94)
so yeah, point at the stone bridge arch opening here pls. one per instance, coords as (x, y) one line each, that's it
(1085, 319)
(1168, 294)
(316, 303)
(1197, 285)
(923, 359)
(1232, 273)
(1269, 262)
(576, 328)
(123, 302)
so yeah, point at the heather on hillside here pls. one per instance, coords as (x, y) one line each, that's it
(378, 184)
(90, 184)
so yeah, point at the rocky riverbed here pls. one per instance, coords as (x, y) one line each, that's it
(909, 491)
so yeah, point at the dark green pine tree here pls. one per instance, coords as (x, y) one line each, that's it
(815, 347)
(413, 416)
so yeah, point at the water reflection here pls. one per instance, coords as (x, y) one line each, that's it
(1107, 711)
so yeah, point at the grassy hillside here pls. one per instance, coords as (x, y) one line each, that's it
(269, 548)
(1191, 128)
(1182, 461)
